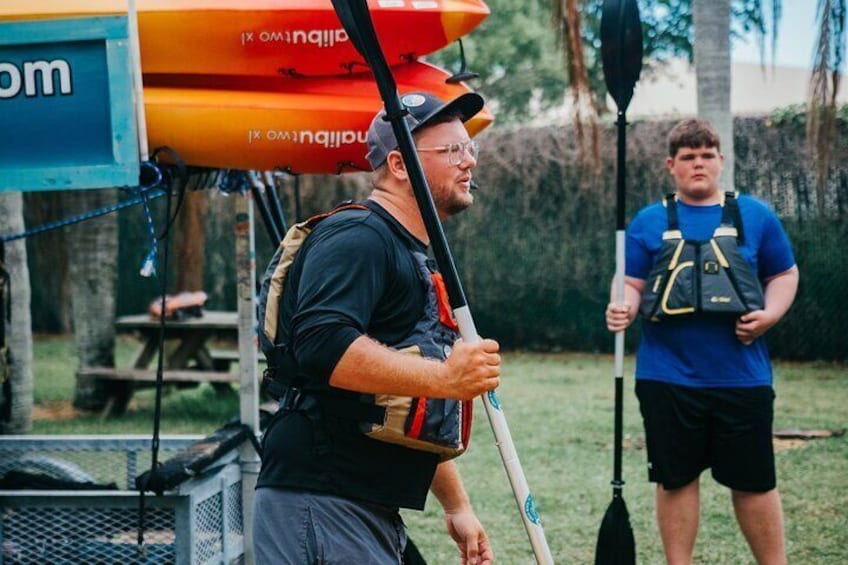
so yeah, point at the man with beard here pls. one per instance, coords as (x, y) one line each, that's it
(359, 290)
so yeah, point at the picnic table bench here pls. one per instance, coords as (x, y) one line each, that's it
(189, 361)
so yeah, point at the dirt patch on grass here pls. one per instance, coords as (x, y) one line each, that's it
(637, 443)
(787, 444)
(55, 410)
(792, 438)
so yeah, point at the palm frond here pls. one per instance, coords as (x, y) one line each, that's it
(776, 15)
(824, 87)
(568, 26)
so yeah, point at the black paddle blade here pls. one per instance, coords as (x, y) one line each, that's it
(356, 20)
(621, 49)
(347, 11)
(616, 545)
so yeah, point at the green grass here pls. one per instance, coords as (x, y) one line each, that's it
(199, 410)
(560, 413)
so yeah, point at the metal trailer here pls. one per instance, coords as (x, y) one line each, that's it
(198, 522)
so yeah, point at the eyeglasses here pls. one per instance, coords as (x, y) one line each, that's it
(456, 151)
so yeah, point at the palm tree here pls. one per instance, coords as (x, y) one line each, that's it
(19, 331)
(821, 109)
(92, 259)
(189, 242)
(712, 70)
(711, 20)
(566, 17)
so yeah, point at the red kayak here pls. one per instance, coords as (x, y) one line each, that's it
(268, 37)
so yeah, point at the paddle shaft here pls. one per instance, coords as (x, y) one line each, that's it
(621, 48)
(617, 482)
(356, 19)
(267, 220)
(468, 331)
(467, 328)
(274, 203)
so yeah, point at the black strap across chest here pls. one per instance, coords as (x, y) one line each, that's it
(730, 215)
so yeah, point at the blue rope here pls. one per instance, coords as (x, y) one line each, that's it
(155, 193)
(235, 181)
(148, 266)
(143, 195)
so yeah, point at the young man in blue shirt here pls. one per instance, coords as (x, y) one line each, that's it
(704, 381)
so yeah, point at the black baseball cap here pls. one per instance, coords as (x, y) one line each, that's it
(423, 108)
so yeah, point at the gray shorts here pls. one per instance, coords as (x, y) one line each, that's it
(303, 528)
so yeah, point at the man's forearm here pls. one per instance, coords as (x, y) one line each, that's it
(448, 489)
(370, 367)
(471, 369)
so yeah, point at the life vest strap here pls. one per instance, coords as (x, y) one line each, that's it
(730, 216)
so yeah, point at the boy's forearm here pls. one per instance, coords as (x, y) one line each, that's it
(780, 291)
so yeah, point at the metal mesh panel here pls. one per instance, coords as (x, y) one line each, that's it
(235, 521)
(100, 526)
(208, 529)
(102, 462)
(84, 465)
(233, 513)
(95, 536)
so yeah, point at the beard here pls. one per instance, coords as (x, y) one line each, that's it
(450, 200)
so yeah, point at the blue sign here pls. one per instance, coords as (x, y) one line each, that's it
(67, 119)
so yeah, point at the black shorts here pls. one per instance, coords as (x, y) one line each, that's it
(727, 430)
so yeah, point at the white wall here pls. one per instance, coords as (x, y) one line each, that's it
(755, 90)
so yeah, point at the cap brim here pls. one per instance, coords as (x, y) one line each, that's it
(466, 105)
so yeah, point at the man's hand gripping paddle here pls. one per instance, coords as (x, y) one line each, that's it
(357, 22)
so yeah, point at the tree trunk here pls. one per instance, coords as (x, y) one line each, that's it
(824, 90)
(92, 257)
(19, 326)
(711, 19)
(48, 255)
(189, 242)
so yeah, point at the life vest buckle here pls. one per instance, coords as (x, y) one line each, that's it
(290, 399)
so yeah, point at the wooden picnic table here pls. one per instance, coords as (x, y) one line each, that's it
(189, 361)
(193, 334)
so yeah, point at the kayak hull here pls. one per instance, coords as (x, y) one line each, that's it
(299, 125)
(269, 37)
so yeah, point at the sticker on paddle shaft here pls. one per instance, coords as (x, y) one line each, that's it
(493, 399)
(530, 510)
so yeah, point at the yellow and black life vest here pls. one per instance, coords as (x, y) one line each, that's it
(702, 277)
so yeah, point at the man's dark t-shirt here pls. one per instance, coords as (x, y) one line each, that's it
(354, 275)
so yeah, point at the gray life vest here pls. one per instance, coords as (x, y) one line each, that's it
(702, 277)
(436, 425)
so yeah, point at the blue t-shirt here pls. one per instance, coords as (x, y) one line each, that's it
(703, 351)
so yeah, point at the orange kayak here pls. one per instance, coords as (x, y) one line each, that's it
(308, 125)
(268, 37)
